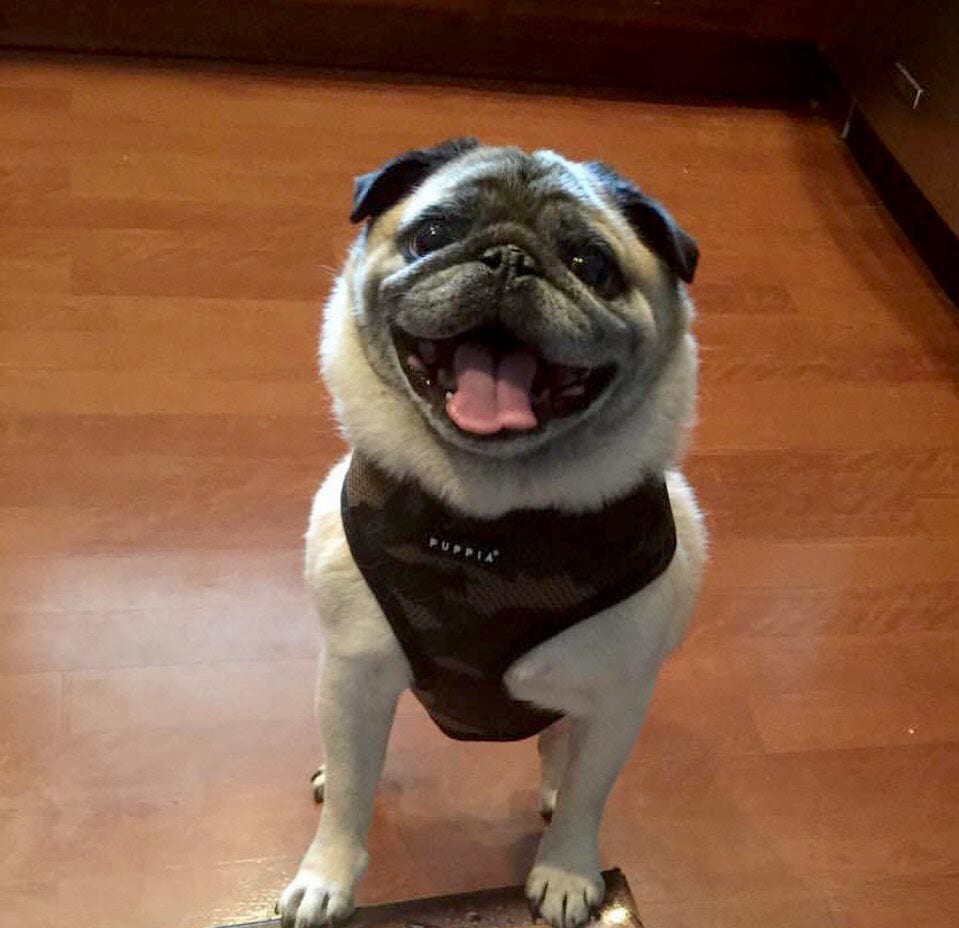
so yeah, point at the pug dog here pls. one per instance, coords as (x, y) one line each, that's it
(509, 356)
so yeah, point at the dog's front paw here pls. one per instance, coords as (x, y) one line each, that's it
(315, 901)
(564, 898)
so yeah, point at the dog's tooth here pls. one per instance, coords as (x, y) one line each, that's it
(419, 372)
(427, 350)
(575, 389)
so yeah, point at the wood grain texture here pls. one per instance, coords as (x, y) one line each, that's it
(166, 238)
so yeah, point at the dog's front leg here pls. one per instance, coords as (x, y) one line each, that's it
(356, 700)
(565, 885)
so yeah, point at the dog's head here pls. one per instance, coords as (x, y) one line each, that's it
(516, 304)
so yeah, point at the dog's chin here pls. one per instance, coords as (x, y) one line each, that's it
(546, 402)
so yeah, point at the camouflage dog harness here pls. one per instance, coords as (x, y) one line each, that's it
(467, 597)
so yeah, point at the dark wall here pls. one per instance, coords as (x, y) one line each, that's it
(740, 47)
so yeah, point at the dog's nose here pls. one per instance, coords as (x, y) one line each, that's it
(510, 260)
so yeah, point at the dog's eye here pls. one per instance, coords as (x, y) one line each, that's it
(430, 236)
(593, 266)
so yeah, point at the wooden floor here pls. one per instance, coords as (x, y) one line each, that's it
(166, 239)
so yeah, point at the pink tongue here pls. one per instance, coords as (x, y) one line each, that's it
(491, 397)
(514, 387)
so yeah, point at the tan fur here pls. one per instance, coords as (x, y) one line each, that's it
(600, 672)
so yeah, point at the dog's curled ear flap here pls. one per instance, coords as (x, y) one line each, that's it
(650, 221)
(376, 192)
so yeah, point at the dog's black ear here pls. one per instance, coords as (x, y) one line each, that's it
(650, 221)
(376, 192)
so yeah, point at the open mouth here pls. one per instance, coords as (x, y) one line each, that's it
(488, 383)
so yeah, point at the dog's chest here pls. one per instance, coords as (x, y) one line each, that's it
(467, 597)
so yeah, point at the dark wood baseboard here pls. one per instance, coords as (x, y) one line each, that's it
(937, 244)
(438, 40)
